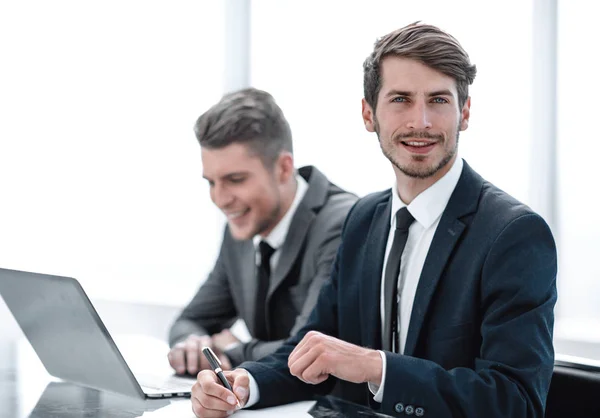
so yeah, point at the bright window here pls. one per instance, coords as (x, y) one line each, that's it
(578, 151)
(100, 173)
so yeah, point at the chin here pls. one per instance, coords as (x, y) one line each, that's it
(240, 234)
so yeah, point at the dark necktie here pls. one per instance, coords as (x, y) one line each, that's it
(263, 275)
(391, 338)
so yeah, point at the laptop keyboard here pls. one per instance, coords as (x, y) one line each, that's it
(168, 384)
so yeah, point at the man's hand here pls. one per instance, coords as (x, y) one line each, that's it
(186, 355)
(318, 355)
(211, 399)
(224, 339)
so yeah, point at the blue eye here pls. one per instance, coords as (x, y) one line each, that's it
(399, 99)
(439, 100)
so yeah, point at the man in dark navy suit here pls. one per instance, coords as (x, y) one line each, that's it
(441, 298)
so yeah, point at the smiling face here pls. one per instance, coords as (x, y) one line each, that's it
(417, 119)
(249, 194)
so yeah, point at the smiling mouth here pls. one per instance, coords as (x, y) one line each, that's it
(235, 215)
(417, 144)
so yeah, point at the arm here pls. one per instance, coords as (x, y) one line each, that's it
(512, 373)
(211, 309)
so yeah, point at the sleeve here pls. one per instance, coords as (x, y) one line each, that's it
(324, 255)
(377, 391)
(254, 393)
(211, 309)
(511, 375)
(271, 373)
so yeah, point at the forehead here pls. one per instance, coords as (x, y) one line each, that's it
(233, 158)
(405, 74)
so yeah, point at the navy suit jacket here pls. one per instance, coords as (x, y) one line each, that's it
(479, 342)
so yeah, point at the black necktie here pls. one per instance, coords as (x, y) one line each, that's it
(263, 274)
(390, 329)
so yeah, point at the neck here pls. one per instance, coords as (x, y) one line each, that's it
(409, 188)
(288, 194)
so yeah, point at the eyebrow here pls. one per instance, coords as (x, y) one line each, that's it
(444, 92)
(228, 175)
(398, 93)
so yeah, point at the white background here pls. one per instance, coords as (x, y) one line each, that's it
(100, 173)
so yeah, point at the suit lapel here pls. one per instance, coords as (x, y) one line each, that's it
(462, 202)
(292, 246)
(370, 284)
(291, 250)
(446, 236)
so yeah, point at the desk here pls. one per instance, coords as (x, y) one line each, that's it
(27, 390)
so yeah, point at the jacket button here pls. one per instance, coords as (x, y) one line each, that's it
(419, 412)
(399, 407)
(409, 410)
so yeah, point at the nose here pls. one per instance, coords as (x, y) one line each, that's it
(419, 117)
(220, 196)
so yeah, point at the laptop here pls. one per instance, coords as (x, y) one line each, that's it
(71, 340)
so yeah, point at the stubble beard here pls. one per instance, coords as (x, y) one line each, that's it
(268, 221)
(417, 172)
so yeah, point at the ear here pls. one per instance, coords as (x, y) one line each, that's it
(284, 169)
(465, 114)
(368, 116)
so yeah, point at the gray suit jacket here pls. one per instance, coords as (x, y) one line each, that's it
(304, 265)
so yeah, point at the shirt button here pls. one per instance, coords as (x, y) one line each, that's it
(419, 412)
(399, 407)
(409, 410)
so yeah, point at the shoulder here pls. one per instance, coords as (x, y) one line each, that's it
(491, 207)
(501, 209)
(360, 215)
(324, 198)
(366, 206)
(501, 219)
(337, 203)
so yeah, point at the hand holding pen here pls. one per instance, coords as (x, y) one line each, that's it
(211, 395)
(215, 364)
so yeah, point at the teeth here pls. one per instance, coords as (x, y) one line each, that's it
(418, 144)
(234, 215)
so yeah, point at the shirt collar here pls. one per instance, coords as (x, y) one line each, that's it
(277, 236)
(429, 205)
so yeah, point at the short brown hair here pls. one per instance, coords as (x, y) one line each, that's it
(248, 116)
(427, 44)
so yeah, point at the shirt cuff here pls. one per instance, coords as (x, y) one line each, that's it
(231, 346)
(376, 390)
(254, 395)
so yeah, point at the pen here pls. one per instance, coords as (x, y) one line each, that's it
(216, 366)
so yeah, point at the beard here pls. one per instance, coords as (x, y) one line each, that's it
(271, 218)
(268, 221)
(418, 171)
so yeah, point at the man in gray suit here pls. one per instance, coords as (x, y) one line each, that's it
(282, 234)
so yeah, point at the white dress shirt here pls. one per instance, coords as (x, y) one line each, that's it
(277, 236)
(427, 209)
